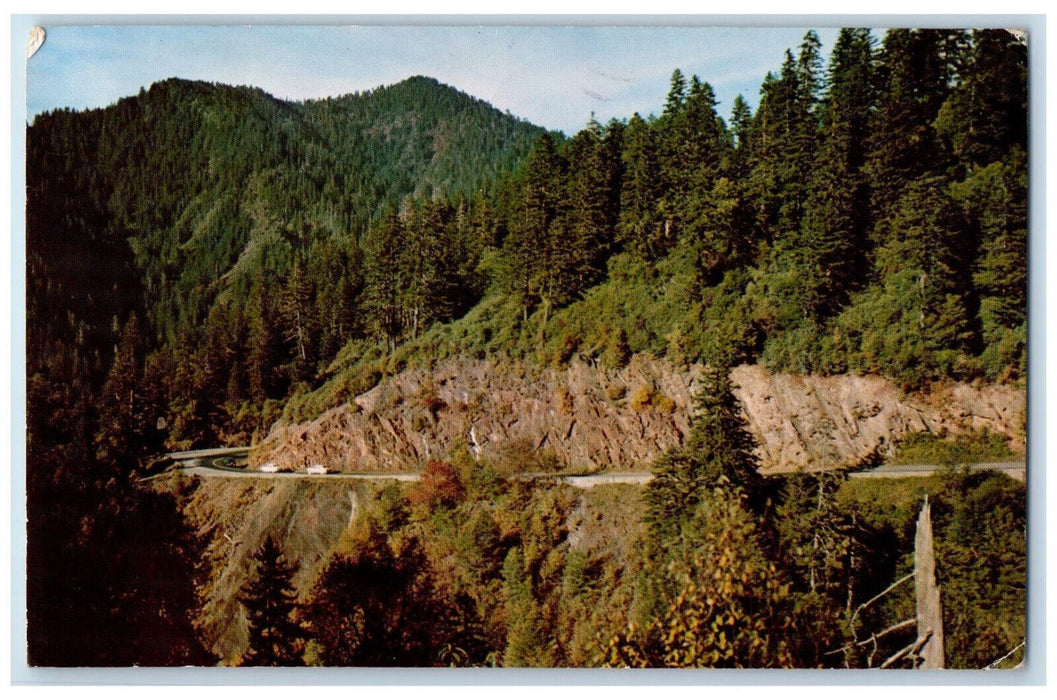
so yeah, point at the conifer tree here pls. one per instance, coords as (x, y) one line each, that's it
(276, 638)
(383, 280)
(263, 349)
(833, 239)
(995, 199)
(676, 96)
(718, 452)
(986, 114)
(300, 325)
(379, 607)
(525, 645)
(914, 74)
(641, 228)
(737, 164)
(983, 125)
(783, 151)
(917, 321)
(535, 234)
(809, 70)
(589, 211)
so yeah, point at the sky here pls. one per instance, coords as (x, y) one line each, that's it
(556, 77)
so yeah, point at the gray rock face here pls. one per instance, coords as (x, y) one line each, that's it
(593, 418)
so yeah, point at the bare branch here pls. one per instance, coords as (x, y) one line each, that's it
(993, 664)
(878, 596)
(874, 637)
(910, 649)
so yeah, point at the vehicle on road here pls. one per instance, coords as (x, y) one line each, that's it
(270, 468)
(316, 469)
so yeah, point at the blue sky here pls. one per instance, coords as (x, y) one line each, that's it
(552, 76)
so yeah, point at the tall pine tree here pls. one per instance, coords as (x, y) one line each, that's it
(719, 452)
(833, 239)
(276, 638)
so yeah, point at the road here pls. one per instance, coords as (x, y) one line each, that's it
(230, 463)
(1016, 470)
(579, 481)
(235, 473)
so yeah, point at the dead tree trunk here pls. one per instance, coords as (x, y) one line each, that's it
(929, 609)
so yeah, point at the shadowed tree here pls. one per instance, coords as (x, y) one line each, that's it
(276, 637)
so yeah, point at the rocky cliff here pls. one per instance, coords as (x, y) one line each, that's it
(589, 417)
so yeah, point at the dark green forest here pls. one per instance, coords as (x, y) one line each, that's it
(203, 260)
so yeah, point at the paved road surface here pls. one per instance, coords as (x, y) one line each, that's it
(583, 482)
(234, 473)
(224, 463)
(1016, 470)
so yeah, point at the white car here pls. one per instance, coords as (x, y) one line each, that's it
(270, 468)
(316, 469)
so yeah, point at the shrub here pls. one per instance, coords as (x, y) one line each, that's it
(929, 448)
(439, 486)
(641, 399)
(419, 422)
(434, 404)
(663, 403)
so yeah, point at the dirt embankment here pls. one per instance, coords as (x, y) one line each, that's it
(593, 418)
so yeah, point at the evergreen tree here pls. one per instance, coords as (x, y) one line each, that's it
(809, 70)
(643, 231)
(917, 322)
(986, 114)
(783, 152)
(590, 211)
(378, 607)
(525, 645)
(833, 239)
(301, 329)
(697, 157)
(335, 267)
(263, 347)
(822, 541)
(123, 420)
(718, 452)
(915, 69)
(676, 96)
(994, 199)
(737, 165)
(983, 124)
(276, 638)
(535, 233)
(383, 279)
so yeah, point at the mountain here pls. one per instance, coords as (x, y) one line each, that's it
(192, 195)
(173, 241)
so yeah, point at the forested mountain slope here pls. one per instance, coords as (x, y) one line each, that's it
(204, 260)
(170, 238)
(869, 217)
(217, 214)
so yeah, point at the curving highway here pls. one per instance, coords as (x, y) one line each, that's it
(231, 462)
